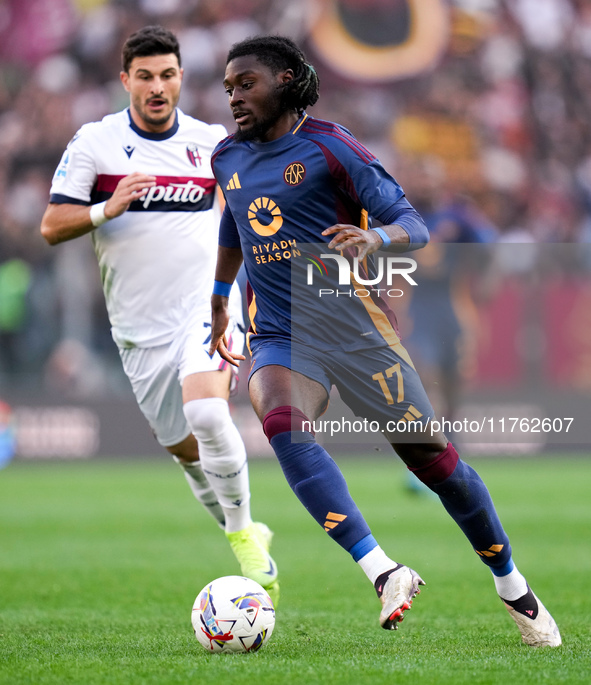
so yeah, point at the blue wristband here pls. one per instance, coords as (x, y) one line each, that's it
(383, 235)
(222, 288)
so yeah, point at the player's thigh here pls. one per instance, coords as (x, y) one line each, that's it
(285, 375)
(187, 450)
(381, 384)
(200, 374)
(154, 381)
(204, 384)
(276, 386)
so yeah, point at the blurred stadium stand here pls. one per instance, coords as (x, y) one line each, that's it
(478, 104)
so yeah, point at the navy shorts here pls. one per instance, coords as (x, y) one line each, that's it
(377, 383)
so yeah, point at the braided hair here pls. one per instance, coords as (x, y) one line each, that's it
(280, 53)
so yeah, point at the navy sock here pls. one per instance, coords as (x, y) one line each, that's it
(320, 486)
(467, 500)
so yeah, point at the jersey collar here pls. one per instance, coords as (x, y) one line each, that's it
(165, 135)
(283, 140)
(298, 124)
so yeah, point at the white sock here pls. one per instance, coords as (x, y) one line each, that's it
(223, 458)
(512, 586)
(202, 490)
(375, 563)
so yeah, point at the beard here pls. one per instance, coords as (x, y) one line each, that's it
(153, 121)
(260, 127)
(156, 120)
(256, 132)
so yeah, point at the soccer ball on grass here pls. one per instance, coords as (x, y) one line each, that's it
(233, 614)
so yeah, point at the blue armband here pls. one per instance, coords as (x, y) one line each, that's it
(383, 235)
(222, 288)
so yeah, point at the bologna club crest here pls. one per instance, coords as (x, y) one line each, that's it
(193, 154)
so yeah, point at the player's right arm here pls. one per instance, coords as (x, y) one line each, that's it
(228, 265)
(229, 262)
(64, 221)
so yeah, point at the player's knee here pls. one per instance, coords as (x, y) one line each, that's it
(439, 468)
(185, 453)
(285, 419)
(207, 417)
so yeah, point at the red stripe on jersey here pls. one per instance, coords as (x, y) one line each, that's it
(106, 183)
(221, 146)
(338, 171)
(326, 128)
(330, 128)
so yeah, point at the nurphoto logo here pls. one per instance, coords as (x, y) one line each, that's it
(385, 267)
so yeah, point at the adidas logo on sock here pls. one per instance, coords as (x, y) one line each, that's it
(492, 551)
(333, 520)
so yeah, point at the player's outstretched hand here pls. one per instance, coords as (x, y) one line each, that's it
(220, 319)
(130, 188)
(346, 235)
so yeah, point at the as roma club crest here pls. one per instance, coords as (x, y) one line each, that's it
(193, 154)
(294, 174)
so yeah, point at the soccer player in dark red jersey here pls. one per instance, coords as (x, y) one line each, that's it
(292, 181)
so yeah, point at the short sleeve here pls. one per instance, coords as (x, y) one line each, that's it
(229, 236)
(75, 175)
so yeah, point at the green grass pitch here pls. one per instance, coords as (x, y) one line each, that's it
(100, 563)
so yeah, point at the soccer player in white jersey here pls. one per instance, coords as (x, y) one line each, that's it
(140, 183)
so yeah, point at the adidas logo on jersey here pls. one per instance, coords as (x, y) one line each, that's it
(234, 183)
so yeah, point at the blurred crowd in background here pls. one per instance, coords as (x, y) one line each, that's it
(491, 141)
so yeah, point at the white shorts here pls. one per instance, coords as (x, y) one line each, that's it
(156, 374)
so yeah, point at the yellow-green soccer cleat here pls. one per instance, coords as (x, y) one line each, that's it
(251, 548)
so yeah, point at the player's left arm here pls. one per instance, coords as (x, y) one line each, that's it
(405, 230)
(366, 242)
(369, 185)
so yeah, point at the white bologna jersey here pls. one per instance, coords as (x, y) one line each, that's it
(157, 260)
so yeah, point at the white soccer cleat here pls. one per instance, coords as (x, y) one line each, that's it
(537, 627)
(396, 590)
